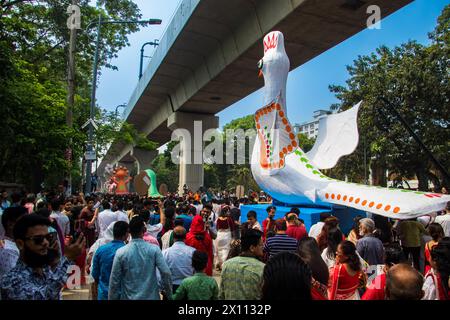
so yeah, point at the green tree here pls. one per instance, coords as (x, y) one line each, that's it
(34, 134)
(167, 171)
(228, 176)
(305, 142)
(112, 129)
(413, 79)
(33, 61)
(245, 123)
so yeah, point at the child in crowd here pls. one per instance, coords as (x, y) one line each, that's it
(199, 286)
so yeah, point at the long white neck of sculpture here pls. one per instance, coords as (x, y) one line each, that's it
(273, 89)
(275, 76)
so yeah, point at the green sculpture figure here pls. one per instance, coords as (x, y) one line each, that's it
(145, 184)
(152, 190)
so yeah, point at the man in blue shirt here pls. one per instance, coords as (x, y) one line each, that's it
(179, 257)
(133, 275)
(154, 216)
(187, 220)
(104, 257)
(369, 247)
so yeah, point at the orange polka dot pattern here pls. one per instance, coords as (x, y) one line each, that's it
(275, 107)
(349, 199)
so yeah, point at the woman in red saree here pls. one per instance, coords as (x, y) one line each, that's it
(87, 219)
(437, 233)
(198, 237)
(346, 276)
(437, 281)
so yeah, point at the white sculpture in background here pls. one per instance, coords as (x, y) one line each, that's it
(108, 185)
(283, 170)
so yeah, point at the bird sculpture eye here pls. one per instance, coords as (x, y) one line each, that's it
(260, 64)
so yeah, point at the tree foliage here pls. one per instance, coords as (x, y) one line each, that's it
(413, 79)
(305, 142)
(228, 176)
(33, 73)
(112, 129)
(167, 171)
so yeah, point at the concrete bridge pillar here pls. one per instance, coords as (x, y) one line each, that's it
(189, 128)
(143, 158)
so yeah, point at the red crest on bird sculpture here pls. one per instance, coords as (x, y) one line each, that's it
(270, 41)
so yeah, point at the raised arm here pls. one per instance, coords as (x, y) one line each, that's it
(81, 194)
(162, 216)
(94, 218)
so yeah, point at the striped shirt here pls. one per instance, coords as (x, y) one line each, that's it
(241, 279)
(279, 243)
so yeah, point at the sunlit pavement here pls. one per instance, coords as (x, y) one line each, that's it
(77, 294)
(84, 293)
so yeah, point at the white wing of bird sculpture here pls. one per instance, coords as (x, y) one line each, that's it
(338, 136)
(282, 169)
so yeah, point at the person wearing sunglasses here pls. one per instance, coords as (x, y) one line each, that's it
(41, 272)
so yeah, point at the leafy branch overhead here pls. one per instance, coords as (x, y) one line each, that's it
(112, 130)
(130, 135)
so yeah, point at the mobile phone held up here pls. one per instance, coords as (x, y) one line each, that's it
(54, 238)
(78, 230)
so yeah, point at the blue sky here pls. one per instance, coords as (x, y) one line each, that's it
(307, 88)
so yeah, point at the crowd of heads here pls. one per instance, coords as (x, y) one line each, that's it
(287, 275)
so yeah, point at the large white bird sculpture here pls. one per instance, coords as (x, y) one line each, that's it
(282, 169)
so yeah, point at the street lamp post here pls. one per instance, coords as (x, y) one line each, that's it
(120, 106)
(89, 147)
(154, 43)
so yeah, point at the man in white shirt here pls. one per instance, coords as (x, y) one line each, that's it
(62, 220)
(106, 217)
(427, 219)
(121, 215)
(9, 253)
(216, 206)
(316, 229)
(444, 220)
(198, 206)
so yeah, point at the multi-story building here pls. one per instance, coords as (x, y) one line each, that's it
(311, 128)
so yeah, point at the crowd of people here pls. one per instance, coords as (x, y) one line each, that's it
(191, 247)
